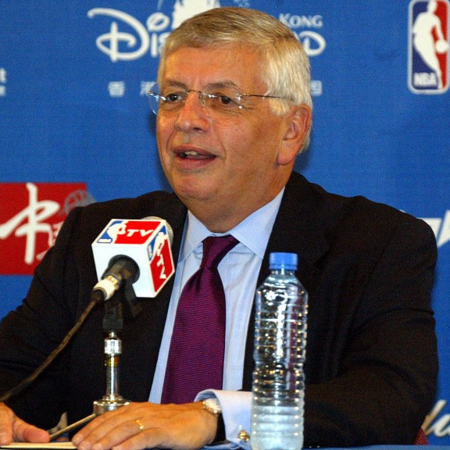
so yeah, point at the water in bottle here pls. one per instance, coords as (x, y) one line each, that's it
(279, 353)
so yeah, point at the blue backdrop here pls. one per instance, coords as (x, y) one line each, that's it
(73, 110)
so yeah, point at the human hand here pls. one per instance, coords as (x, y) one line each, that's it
(14, 429)
(147, 425)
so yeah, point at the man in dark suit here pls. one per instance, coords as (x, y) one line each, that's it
(233, 111)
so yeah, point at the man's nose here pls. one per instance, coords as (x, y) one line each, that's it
(197, 97)
(193, 113)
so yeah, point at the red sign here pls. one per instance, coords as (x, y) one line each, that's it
(161, 265)
(31, 215)
(136, 231)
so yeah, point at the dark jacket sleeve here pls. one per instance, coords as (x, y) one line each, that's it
(385, 379)
(371, 356)
(30, 333)
(58, 295)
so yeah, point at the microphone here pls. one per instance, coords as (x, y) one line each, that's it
(126, 252)
(134, 251)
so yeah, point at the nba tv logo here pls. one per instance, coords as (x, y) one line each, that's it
(428, 46)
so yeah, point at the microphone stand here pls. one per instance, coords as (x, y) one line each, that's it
(112, 323)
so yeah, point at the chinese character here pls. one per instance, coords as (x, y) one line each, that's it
(2, 91)
(2, 75)
(34, 216)
(116, 88)
(316, 88)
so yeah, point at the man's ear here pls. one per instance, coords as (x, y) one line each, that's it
(298, 124)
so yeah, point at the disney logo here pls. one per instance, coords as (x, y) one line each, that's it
(151, 37)
(146, 39)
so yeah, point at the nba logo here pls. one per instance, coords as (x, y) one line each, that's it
(115, 228)
(428, 46)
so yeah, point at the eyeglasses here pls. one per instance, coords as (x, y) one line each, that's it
(223, 102)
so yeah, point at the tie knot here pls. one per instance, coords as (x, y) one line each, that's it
(215, 248)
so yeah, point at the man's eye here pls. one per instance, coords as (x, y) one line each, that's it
(173, 97)
(225, 100)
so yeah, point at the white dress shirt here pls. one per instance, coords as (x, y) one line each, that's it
(238, 270)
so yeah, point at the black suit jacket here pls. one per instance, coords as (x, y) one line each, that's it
(371, 354)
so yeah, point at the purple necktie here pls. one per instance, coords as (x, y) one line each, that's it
(198, 339)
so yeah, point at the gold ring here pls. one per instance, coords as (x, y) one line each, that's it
(141, 427)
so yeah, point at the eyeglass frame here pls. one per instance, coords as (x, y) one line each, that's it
(203, 95)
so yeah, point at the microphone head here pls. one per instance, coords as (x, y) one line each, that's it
(147, 242)
(124, 268)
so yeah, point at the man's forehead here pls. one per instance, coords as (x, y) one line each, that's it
(233, 49)
(215, 66)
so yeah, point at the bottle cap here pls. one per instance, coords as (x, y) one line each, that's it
(287, 261)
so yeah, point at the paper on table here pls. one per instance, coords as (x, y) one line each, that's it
(64, 445)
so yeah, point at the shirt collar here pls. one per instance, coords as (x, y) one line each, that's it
(261, 220)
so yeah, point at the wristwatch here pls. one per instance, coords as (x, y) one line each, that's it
(212, 405)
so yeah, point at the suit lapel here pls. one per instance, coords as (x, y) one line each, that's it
(298, 229)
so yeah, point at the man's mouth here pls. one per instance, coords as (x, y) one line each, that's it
(192, 154)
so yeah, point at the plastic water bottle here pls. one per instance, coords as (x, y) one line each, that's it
(279, 353)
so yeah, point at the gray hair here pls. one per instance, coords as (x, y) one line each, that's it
(284, 64)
